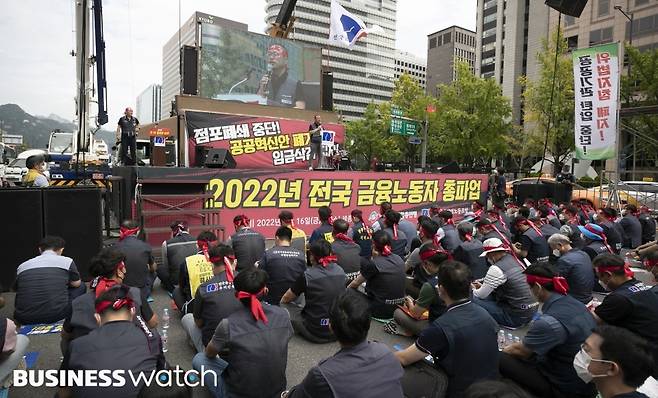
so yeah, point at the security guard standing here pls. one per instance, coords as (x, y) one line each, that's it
(346, 250)
(118, 344)
(127, 130)
(283, 264)
(214, 300)
(249, 245)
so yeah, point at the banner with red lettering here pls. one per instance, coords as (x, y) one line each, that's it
(255, 142)
(262, 194)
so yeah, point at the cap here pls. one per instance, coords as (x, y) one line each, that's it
(591, 231)
(484, 221)
(493, 245)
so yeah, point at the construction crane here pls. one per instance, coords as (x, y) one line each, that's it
(284, 21)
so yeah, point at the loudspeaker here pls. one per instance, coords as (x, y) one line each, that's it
(189, 69)
(530, 190)
(23, 229)
(327, 91)
(568, 7)
(75, 215)
(219, 158)
(450, 168)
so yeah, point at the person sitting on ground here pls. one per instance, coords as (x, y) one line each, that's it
(498, 220)
(631, 304)
(616, 361)
(361, 368)
(648, 225)
(284, 265)
(594, 240)
(462, 341)
(214, 300)
(325, 230)
(46, 285)
(469, 251)
(380, 223)
(575, 266)
(118, 344)
(190, 275)
(346, 250)
(542, 362)
(417, 241)
(487, 229)
(396, 235)
(384, 276)
(140, 264)
(448, 235)
(174, 252)
(569, 217)
(532, 244)
(631, 226)
(606, 218)
(35, 177)
(248, 245)
(321, 284)
(545, 226)
(108, 269)
(298, 241)
(427, 233)
(504, 292)
(12, 348)
(411, 317)
(409, 230)
(252, 343)
(361, 233)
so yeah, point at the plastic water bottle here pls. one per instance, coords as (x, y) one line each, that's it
(165, 319)
(163, 337)
(501, 339)
(517, 339)
(510, 339)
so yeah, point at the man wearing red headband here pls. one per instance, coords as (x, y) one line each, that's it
(606, 218)
(174, 252)
(361, 233)
(278, 85)
(122, 342)
(287, 219)
(326, 229)
(140, 264)
(321, 285)
(631, 304)
(346, 250)
(249, 245)
(469, 250)
(252, 343)
(631, 226)
(398, 237)
(648, 225)
(427, 229)
(283, 264)
(214, 300)
(183, 294)
(543, 362)
(532, 245)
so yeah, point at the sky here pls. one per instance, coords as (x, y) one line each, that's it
(38, 73)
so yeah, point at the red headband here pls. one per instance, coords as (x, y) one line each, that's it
(104, 283)
(395, 232)
(650, 263)
(243, 221)
(203, 245)
(116, 304)
(126, 232)
(386, 251)
(256, 306)
(326, 260)
(227, 265)
(343, 237)
(559, 283)
(600, 234)
(613, 268)
(426, 255)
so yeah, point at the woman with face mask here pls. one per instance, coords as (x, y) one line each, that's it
(542, 362)
(35, 176)
(616, 361)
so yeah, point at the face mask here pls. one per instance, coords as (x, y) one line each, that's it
(44, 167)
(605, 285)
(581, 364)
(557, 253)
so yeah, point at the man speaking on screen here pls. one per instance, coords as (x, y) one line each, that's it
(277, 85)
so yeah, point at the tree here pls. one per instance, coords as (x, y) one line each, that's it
(368, 138)
(537, 100)
(472, 120)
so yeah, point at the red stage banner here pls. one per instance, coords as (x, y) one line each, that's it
(255, 142)
(261, 195)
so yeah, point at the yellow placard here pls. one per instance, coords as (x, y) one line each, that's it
(199, 271)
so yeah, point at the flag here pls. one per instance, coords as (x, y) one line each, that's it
(346, 28)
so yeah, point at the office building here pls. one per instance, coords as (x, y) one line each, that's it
(189, 35)
(411, 65)
(509, 35)
(148, 106)
(367, 71)
(444, 49)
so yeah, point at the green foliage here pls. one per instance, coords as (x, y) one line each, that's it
(368, 138)
(537, 99)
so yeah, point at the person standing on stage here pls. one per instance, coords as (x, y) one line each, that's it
(127, 130)
(315, 143)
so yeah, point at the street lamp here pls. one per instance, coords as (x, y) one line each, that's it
(630, 43)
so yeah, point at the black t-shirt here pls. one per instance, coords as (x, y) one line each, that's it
(138, 257)
(633, 394)
(128, 125)
(565, 178)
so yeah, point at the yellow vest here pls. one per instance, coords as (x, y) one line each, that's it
(199, 270)
(29, 178)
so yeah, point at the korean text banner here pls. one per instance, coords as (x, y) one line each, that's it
(596, 89)
(255, 142)
(261, 195)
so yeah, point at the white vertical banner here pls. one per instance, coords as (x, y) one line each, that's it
(596, 90)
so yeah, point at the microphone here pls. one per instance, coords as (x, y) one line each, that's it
(249, 72)
(269, 77)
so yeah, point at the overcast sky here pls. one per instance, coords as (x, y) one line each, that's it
(37, 72)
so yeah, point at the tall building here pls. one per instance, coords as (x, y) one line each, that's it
(411, 65)
(148, 105)
(361, 75)
(444, 49)
(188, 34)
(509, 34)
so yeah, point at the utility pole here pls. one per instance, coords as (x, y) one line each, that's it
(423, 151)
